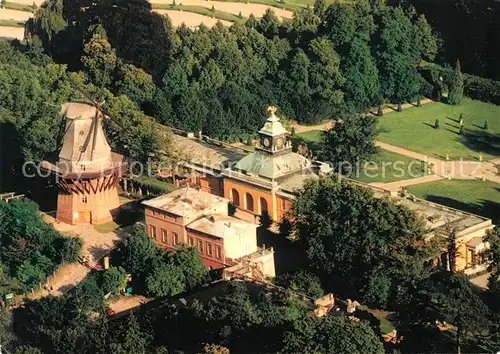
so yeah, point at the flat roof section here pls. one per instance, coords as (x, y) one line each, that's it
(186, 201)
(220, 226)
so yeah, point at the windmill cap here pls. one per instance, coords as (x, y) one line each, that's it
(78, 110)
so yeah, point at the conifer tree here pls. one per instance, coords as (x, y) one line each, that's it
(456, 93)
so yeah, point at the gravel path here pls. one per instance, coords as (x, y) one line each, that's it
(12, 32)
(191, 20)
(235, 8)
(8, 14)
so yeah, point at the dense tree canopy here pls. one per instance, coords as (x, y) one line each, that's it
(220, 80)
(349, 143)
(352, 237)
(30, 249)
(158, 271)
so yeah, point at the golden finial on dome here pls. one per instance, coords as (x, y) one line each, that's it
(272, 109)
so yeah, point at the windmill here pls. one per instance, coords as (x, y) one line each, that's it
(87, 171)
(100, 114)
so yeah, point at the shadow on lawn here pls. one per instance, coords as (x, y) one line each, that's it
(481, 141)
(486, 208)
(429, 125)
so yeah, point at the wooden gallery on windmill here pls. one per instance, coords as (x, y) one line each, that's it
(87, 172)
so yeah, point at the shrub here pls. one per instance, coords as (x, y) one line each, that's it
(482, 89)
(436, 124)
(114, 279)
(285, 227)
(427, 89)
(71, 250)
(165, 280)
(265, 220)
(456, 93)
(475, 87)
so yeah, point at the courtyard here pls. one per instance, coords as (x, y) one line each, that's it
(413, 129)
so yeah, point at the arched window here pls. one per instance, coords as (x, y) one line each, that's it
(249, 201)
(235, 197)
(263, 205)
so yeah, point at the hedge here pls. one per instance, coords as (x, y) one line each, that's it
(475, 87)
(481, 89)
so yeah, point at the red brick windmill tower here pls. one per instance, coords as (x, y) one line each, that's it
(87, 171)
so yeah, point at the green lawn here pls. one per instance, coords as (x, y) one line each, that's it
(414, 129)
(389, 167)
(386, 166)
(477, 197)
(312, 136)
(106, 227)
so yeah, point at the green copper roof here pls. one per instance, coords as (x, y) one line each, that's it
(270, 166)
(273, 126)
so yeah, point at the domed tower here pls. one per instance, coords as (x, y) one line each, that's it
(87, 171)
(274, 159)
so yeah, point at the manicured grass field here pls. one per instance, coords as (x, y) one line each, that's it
(414, 129)
(385, 167)
(389, 167)
(477, 197)
(312, 136)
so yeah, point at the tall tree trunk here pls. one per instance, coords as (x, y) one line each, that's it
(459, 333)
(380, 111)
(399, 108)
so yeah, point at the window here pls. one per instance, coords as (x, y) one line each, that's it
(200, 246)
(235, 197)
(191, 241)
(176, 238)
(249, 201)
(263, 205)
(218, 252)
(209, 249)
(152, 231)
(164, 236)
(84, 199)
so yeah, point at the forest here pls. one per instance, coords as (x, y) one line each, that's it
(322, 64)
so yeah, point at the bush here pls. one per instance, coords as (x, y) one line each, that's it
(481, 89)
(165, 280)
(475, 87)
(426, 88)
(114, 279)
(71, 250)
(265, 220)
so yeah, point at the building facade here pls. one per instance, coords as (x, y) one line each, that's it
(269, 179)
(200, 219)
